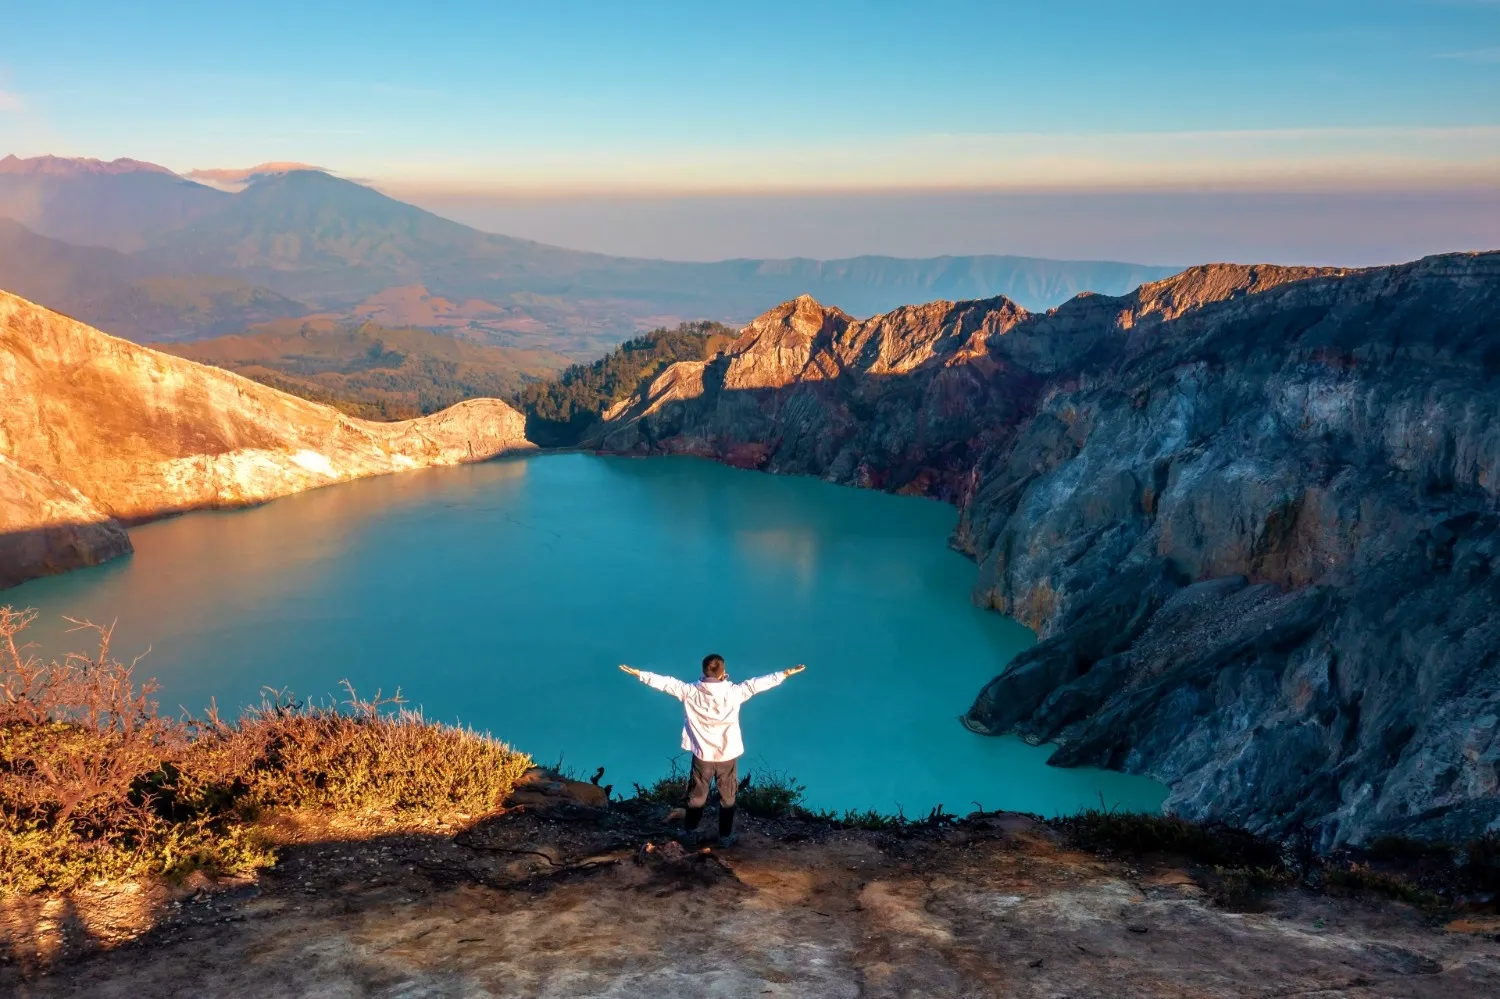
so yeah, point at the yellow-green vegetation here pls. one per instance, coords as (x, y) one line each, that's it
(97, 785)
(559, 412)
(775, 794)
(371, 371)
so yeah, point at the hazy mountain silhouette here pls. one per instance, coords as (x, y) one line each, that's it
(120, 204)
(334, 245)
(335, 241)
(126, 295)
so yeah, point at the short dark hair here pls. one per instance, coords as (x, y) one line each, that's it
(713, 666)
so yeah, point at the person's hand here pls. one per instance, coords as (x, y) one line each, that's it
(794, 670)
(630, 670)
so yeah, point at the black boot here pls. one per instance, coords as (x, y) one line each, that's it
(690, 819)
(726, 826)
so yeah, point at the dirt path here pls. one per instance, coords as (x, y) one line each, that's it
(572, 905)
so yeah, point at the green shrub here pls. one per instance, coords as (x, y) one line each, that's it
(668, 790)
(1246, 887)
(1107, 831)
(770, 794)
(1355, 877)
(869, 820)
(1480, 863)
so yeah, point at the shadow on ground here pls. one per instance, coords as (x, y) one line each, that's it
(558, 898)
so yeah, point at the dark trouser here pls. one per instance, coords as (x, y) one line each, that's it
(703, 774)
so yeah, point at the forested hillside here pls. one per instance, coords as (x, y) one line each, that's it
(371, 371)
(389, 373)
(560, 411)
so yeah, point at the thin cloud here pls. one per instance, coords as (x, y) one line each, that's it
(234, 179)
(1312, 158)
(1473, 55)
(10, 101)
(245, 173)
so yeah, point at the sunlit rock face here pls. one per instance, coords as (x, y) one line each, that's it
(48, 527)
(96, 432)
(1251, 510)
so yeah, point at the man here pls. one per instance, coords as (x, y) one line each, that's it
(711, 732)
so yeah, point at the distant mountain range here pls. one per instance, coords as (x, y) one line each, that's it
(126, 295)
(135, 249)
(121, 205)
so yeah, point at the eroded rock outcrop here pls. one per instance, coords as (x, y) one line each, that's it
(1252, 512)
(97, 432)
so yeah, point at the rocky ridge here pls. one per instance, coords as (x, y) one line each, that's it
(1251, 511)
(98, 432)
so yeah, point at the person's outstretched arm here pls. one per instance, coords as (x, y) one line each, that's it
(758, 684)
(666, 684)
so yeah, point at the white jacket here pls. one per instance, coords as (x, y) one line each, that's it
(711, 712)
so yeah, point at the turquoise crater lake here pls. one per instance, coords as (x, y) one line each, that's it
(503, 595)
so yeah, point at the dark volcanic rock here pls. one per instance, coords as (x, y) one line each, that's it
(1250, 510)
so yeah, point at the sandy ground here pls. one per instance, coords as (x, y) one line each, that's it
(572, 902)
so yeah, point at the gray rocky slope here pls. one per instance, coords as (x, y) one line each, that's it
(1251, 512)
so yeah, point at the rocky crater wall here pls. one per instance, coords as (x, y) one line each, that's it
(98, 432)
(1252, 512)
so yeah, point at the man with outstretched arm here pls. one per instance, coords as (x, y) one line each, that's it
(711, 732)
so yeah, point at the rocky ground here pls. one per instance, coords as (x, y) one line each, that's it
(561, 898)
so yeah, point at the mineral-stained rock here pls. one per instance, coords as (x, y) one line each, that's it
(96, 432)
(1251, 511)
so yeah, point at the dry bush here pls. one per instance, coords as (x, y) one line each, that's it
(363, 759)
(97, 785)
(91, 779)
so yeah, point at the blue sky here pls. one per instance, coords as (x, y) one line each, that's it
(1317, 131)
(771, 95)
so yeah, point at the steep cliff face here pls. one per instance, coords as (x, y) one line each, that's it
(896, 401)
(1251, 511)
(96, 432)
(48, 527)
